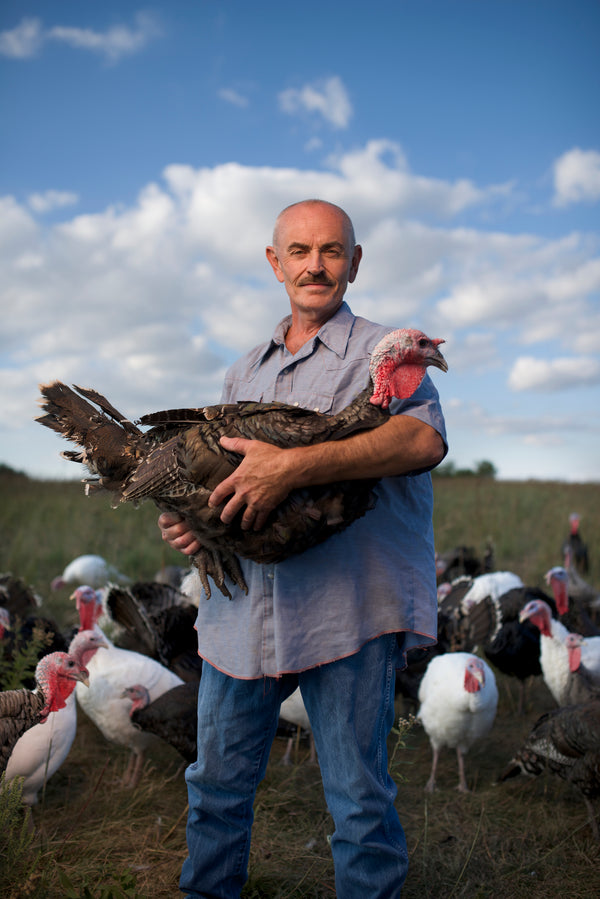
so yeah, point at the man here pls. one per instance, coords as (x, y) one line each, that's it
(337, 619)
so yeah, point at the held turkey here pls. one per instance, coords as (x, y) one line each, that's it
(179, 461)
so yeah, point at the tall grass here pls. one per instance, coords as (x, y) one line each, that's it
(526, 839)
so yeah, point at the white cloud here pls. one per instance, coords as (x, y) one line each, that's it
(529, 373)
(148, 302)
(233, 97)
(27, 38)
(23, 41)
(577, 177)
(51, 199)
(328, 98)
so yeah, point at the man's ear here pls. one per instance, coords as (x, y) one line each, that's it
(274, 263)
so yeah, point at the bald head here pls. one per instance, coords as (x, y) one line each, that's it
(312, 204)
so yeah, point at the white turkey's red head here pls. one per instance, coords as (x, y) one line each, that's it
(398, 364)
(538, 612)
(84, 646)
(474, 675)
(89, 606)
(574, 642)
(57, 674)
(558, 579)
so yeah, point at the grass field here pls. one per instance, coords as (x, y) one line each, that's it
(526, 839)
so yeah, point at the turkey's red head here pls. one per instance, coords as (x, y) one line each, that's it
(474, 675)
(538, 612)
(574, 642)
(89, 606)
(57, 674)
(84, 646)
(558, 578)
(398, 364)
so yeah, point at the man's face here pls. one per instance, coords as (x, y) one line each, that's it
(314, 257)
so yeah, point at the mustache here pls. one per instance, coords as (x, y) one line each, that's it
(316, 279)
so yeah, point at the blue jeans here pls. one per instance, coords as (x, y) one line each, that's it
(350, 704)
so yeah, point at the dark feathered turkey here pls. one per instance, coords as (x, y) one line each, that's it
(22, 624)
(180, 461)
(173, 716)
(582, 683)
(566, 742)
(56, 675)
(159, 621)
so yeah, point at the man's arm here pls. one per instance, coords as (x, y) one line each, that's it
(267, 473)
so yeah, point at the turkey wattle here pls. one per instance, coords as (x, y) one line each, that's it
(179, 461)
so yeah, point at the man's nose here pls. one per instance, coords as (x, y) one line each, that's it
(315, 262)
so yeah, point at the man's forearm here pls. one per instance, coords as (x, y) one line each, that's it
(401, 445)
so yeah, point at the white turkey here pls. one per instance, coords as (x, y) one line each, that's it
(42, 749)
(111, 671)
(56, 676)
(90, 570)
(459, 698)
(294, 711)
(566, 742)
(554, 658)
(180, 460)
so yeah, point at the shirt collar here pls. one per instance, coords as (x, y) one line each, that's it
(334, 334)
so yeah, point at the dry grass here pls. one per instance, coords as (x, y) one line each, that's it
(525, 839)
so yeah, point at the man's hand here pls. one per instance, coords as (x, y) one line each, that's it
(260, 482)
(176, 532)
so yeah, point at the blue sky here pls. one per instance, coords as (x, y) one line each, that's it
(147, 149)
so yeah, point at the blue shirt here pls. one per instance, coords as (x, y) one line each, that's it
(376, 577)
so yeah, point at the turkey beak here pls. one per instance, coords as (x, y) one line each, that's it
(83, 677)
(436, 357)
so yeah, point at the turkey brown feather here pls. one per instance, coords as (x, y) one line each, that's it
(180, 460)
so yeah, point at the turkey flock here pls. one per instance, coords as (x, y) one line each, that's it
(131, 666)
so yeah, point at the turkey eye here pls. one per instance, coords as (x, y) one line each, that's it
(422, 342)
